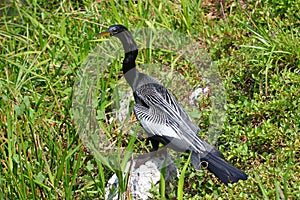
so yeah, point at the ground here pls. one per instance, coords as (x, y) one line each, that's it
(44, 44)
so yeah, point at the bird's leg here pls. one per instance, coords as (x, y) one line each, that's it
(162, 151)
(155, 144)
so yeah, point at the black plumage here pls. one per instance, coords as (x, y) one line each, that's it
(164, 119)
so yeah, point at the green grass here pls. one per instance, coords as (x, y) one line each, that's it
(256, 46)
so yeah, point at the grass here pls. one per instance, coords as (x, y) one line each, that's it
(43, 44)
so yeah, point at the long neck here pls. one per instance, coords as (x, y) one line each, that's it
(131, 51)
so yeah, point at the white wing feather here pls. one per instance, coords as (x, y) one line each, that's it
(165, 116)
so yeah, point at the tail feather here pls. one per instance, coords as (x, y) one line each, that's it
(223, 170)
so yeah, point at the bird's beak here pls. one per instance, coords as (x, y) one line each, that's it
(105, 34)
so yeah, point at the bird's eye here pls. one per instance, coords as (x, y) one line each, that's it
(114, 30)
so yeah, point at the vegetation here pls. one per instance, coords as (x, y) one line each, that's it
(43, 44)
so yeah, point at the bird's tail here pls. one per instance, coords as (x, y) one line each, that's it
(223, 170)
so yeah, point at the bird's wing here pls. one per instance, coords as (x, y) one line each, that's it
(155, 122)
(161, 114)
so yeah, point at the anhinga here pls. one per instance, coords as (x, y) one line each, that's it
(164, 119)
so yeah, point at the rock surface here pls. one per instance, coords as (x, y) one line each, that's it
(144, 173)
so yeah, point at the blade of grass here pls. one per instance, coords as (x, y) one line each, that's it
(181, 179)
(262, 188)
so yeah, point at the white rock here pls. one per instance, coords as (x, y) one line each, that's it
(144, 173)
(198, 93)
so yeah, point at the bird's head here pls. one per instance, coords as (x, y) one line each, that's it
(122, 33)
(114, 30)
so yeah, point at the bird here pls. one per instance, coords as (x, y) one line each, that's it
(164, 119)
